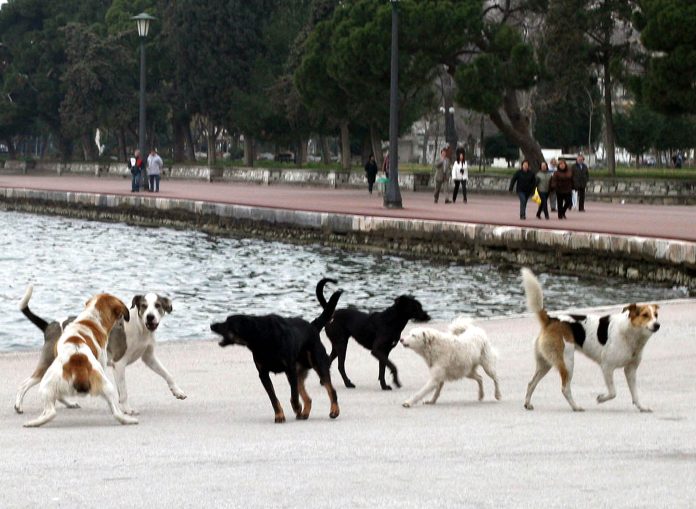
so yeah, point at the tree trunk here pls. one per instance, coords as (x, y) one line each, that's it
(11, 148)
(190, 150)
(65, 148)
(301, 156)
(448, 98)
(517, 129)
(211, 139)
(376, 146)
(426, 139)
(609, 119)
(325, 150)
(89, 148)
(249, 150)
(345, 146)
(179, 140)
(121, 141)
(366, 148)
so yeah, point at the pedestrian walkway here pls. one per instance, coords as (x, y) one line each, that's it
(659, 221)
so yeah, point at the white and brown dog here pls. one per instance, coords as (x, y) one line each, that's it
(452, 355)
(128, 342)
(612, 341)
(80, 362)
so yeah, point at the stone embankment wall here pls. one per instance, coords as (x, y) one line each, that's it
(651, 260)
(606, 189)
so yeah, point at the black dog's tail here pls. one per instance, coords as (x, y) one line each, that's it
(24, 308)
(320, 290)
(323, 319)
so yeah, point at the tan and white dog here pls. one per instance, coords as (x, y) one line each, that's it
(612, 341)
(80, 362)
(452, 355)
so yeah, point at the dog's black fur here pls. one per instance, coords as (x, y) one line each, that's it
(284, 345)
(378, 332)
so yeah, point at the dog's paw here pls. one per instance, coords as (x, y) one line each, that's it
(130, 411)
(279, 419)
(529, 406)
(429, 402)
(498, 396)
(18, 409)
(350, 385)
(128, 420)
(71, 404)
(302, 417)
(386, 387)
(334, 412)
(481, 396)
(645, 410)
(406, 404)
(578, 409)
(178, 393)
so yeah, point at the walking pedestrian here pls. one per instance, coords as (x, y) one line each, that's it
(562, 183)
(524, 178)
(154, 169)
(460, 175)
(581, 176)
(553, 164)
(136, 164)
(543, 184)
(442, 170)
(371, 172)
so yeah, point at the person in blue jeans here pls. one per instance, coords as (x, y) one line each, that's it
(136, 165)
(154, 169)
(525, 180)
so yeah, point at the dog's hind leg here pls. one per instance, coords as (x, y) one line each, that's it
(320, 363)
(543, 367)
(474, 375)
(489, 367)
(268, 385)
(339, 350)
(384, 363)
(565, 368)
(630, 372)
(23, 389)
(294, 392)
(69, 403)
(110, 395)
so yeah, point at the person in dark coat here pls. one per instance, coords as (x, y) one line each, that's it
(562, 183)
(136, 164)
(371, 172)
(581, 176)
(525, 180)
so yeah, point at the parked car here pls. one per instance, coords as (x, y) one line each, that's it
(284, 157)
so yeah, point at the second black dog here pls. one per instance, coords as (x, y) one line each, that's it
(284, 345)
(378, 332)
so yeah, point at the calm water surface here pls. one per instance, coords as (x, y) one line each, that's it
(208, 277)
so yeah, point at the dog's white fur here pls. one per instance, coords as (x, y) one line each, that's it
(625, 337)
(451, 356)
(140, 344)
(146, 314)
(75, 341)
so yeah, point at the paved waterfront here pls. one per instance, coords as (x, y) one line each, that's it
(662, 221)
(220, 447)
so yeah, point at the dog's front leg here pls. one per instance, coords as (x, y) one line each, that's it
(108, 392)
(384, 362)
(120, 377)
(427, 388)
(608, 372)
(294, 392)
(268, 385)
(630, 372)
(152, 362)
(436, 395)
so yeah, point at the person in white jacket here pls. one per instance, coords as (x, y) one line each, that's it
(460, 175)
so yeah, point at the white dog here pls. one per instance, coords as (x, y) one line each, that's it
(451, 356)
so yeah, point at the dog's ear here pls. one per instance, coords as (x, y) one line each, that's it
(166, 303)
(135, 303)
(631, 308)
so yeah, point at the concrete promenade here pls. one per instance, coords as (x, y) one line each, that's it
(658, 221)
(220, 447)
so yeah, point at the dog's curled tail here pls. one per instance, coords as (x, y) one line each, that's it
(24, 308)
(320, 290)
(323, 319)
(460, 325)
(535, 295)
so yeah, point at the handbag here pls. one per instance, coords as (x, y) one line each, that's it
(535, 197)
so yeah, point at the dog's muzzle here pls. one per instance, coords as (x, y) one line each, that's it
(151, 326)
(655, 327)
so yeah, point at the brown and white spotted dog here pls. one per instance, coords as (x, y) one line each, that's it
(612, 341)
(80, 363)
(128, 342)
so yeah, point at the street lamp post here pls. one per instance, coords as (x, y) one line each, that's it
(392, 195)
(143, 22)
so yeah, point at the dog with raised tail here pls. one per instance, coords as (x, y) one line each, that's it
(612, 341)
(451, 356)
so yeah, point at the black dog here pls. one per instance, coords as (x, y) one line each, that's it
(378, 332)
(285, 345)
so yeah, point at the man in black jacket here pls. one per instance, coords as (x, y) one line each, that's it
(581, 176)
(526, 182)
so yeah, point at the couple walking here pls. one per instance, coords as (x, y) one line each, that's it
(459, 173)
(136, 165)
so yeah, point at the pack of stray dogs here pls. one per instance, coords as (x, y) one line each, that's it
(78, 350)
